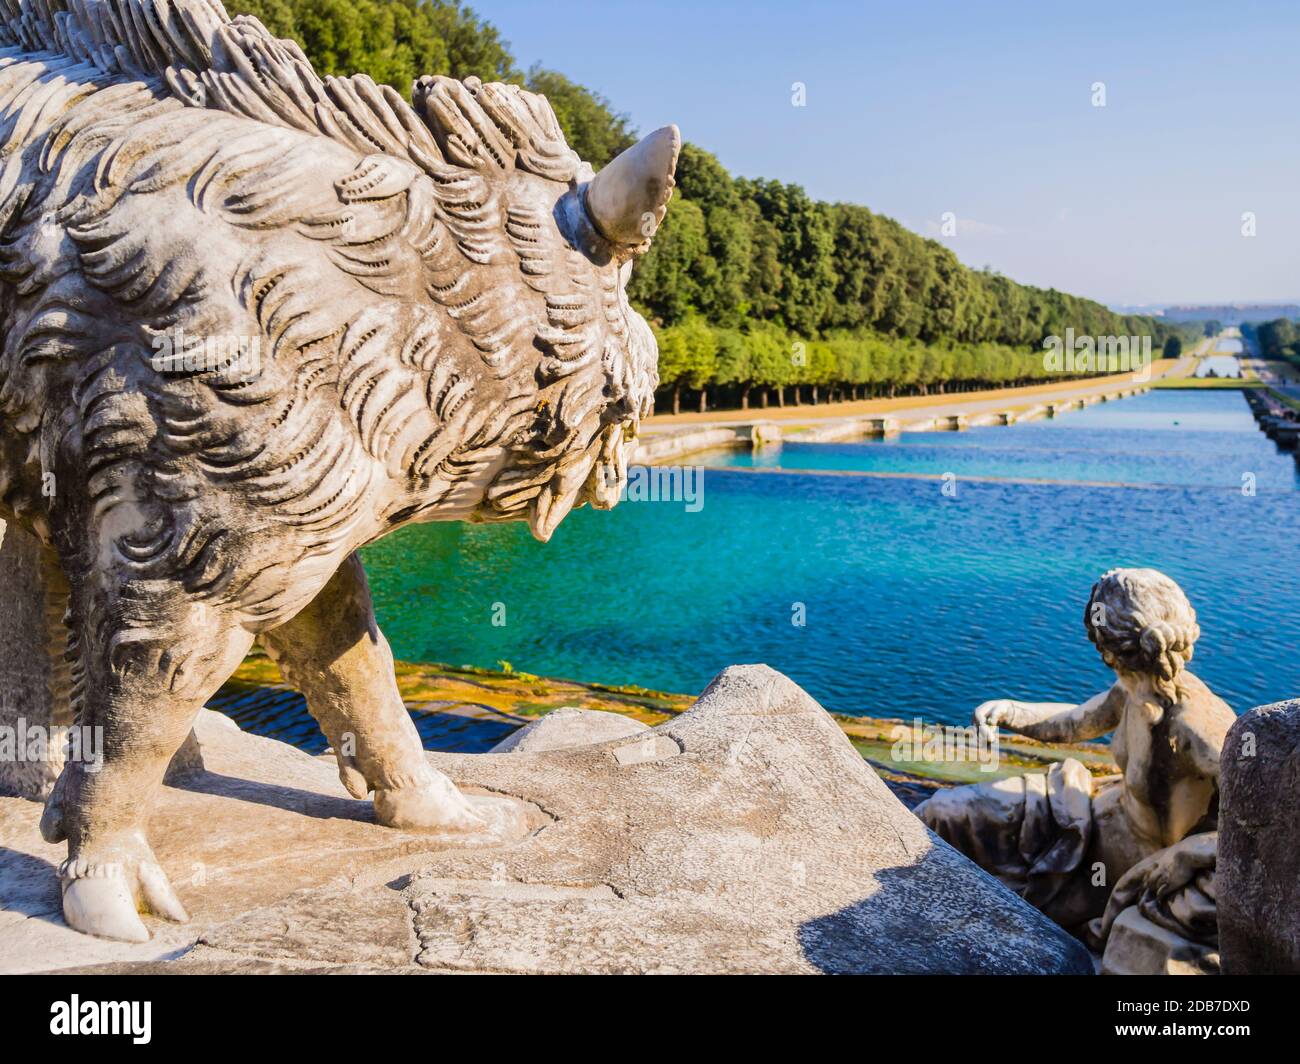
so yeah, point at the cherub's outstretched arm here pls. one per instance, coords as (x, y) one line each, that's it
(1055, 722)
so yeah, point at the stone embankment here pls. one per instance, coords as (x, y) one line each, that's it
(1278, 421)
(662, 446)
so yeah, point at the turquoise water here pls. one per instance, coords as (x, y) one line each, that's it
(912, 601)
(1191, 439)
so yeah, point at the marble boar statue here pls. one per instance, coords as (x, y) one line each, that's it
(253, 320)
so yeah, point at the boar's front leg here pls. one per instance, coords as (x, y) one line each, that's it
(335, 654)
(150, 657)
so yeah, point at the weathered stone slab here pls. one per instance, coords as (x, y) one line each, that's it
(261, 821)
(1258, 871)
(758, 841)
(566, 727)
(746, 835)
(332, 925)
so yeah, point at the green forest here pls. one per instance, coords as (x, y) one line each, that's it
(757, 292)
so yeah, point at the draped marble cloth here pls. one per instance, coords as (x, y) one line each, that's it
(1031, 831)
(1174, 889)
(1034, 833)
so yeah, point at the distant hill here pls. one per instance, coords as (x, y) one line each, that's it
(1227, 313)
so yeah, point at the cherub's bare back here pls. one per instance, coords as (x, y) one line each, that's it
(1170, 762)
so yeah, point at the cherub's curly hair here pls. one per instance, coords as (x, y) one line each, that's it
(1142, 623)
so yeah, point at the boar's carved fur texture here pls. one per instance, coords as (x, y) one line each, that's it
(254, 319)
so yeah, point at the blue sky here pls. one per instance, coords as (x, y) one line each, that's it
(984, 109)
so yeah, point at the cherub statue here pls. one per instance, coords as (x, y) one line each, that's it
(1064, 841)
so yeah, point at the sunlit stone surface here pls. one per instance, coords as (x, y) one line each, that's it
(745, 835)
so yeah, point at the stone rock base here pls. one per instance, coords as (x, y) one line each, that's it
(567, 727)
(746, 835)
(1258, 872)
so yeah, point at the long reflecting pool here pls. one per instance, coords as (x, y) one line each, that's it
(915, 576)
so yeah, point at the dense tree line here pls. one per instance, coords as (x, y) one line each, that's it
(1276, 340)
(755, 285)
(397, 41)
(752, 285)
(394, 41)
(765, 364)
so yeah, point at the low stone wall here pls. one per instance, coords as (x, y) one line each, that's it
(662, 447)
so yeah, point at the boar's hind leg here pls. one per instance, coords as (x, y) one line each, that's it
(334, 653)
(150, 658)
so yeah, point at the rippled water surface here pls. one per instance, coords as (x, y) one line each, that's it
(913, 601)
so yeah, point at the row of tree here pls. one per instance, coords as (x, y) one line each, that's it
(1278, 339)
(751, 284)
(735, 250)
(397, 41)
(764, 364)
